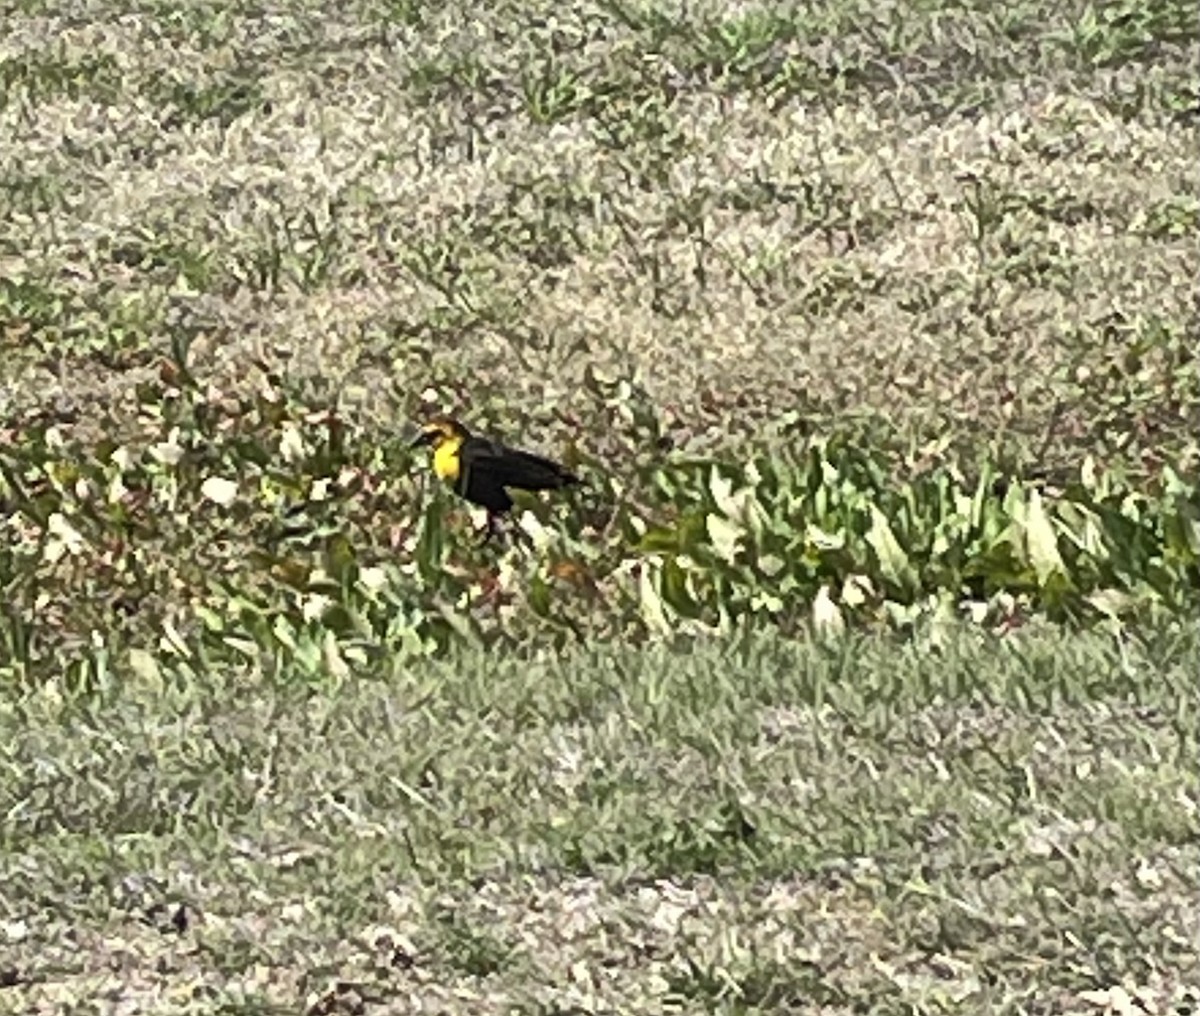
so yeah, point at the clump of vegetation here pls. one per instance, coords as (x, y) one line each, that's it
(238, 528)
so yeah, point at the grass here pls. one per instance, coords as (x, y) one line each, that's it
(753, 826)
(858, 679)
(940, 218)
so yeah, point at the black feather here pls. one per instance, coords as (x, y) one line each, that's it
(489, 467)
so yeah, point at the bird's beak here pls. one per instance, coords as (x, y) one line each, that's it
(423, 438)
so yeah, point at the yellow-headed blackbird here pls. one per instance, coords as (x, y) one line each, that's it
(480, 469)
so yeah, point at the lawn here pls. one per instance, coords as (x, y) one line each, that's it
(859, 675)
(756, 826)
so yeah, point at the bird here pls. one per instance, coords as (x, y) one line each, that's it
(481, 470)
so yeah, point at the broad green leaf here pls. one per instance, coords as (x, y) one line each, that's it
(856, 589)
(675, 591)
(1013, 503)
(980, 497)
(660, 540)
(430, 549)
(340, 558)
(826, 615)
(1181, 531)
(893, 562)
(740, 506)
(1080, 526)
(1041, 542)
(684, 535)
(771, 564)
(537, 593)
(284, 633)
(1174, 484)
(538, 534)
(1087, 473)
(1000, 567)
(331, 655)
(721, 490)
(724, 536)
(650, 601)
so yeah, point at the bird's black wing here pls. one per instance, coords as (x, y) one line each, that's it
(496, 464)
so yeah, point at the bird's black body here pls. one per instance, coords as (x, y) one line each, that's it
(481, 470)
(488, 467)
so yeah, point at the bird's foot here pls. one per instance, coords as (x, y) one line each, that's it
(506, 533)
(492, 529)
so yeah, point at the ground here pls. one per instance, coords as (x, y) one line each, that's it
(246, 247)
(755, 827)
(972, 218)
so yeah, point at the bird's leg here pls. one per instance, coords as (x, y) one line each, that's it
(521, 536)
(493, 528)
(497, 528)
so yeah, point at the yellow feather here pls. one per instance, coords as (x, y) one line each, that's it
(445, 458)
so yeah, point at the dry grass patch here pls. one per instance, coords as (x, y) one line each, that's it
(740, 828)
(945, 217)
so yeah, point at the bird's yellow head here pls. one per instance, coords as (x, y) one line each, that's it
(445, 436)
(439, 431)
